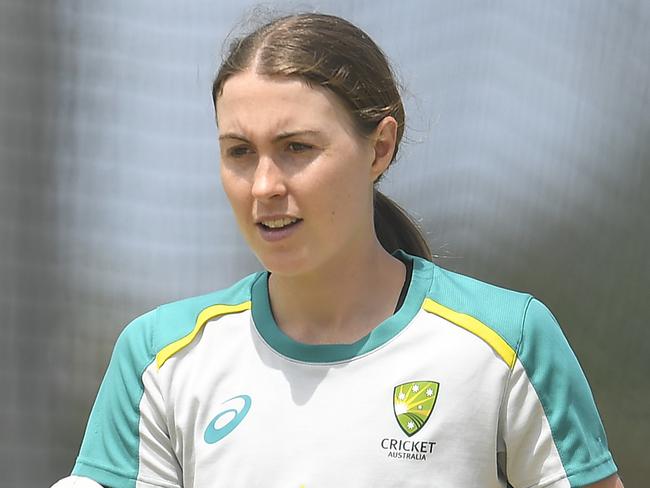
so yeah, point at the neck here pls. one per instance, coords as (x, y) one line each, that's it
(340, 303)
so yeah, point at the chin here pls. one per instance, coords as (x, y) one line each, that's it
(284, 264)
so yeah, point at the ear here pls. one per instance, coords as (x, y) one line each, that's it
(383, 138)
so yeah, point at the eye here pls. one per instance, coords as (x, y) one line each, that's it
(238, 151)
(298, 147)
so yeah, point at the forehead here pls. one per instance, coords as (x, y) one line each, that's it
(250, 102)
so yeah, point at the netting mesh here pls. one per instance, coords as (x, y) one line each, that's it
(528, 155)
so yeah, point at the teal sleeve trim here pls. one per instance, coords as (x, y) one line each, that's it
(566, 398)
(109, 451)
(103, 476)
(597, 471)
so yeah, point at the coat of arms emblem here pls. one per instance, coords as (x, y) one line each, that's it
(413, 403)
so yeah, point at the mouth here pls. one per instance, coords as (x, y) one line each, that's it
(278, 229)
(278, 224)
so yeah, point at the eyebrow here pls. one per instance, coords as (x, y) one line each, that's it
(279, 137)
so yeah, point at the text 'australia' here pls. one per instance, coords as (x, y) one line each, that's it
(407, 449)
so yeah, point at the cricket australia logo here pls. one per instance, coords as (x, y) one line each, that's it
(413, 403)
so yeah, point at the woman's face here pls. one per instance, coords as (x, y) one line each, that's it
(298, 175)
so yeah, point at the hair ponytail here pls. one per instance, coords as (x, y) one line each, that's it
(396, 229)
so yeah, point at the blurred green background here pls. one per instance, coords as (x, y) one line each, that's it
(527, 162)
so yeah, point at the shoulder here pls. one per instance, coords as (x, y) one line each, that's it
(516, 325)
(504, 318)
(149, 334)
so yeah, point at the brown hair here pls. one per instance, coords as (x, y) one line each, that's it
(331, 52)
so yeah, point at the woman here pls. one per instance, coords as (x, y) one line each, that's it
(352, 360)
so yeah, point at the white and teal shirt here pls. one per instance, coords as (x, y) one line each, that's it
(466, 385)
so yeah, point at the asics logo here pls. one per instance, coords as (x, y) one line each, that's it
(215, 434)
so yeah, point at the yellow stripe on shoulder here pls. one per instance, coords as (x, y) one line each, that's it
(476, 327)
(204, 317)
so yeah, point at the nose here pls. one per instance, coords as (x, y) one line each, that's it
(268, 179)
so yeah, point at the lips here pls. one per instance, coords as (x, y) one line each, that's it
(278, 223)
(277, 228)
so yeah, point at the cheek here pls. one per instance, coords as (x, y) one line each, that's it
(351, 184)
(236, 189)
(344, 197)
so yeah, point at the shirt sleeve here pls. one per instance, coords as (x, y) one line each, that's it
(126, 440)
(551, 432)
